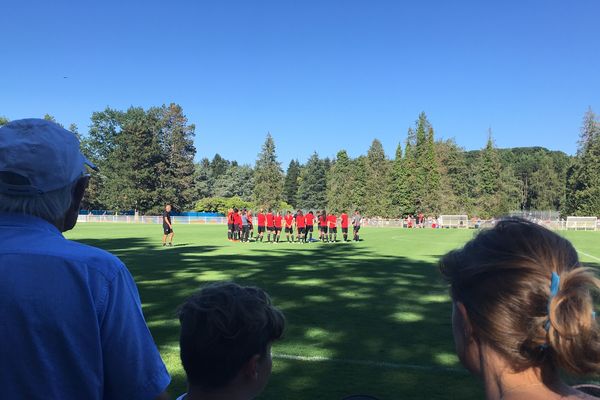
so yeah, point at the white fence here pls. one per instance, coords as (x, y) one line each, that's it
(371, 222)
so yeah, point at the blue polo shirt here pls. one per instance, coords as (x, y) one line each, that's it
(71, 322)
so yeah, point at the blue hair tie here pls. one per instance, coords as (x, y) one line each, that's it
(554, 284)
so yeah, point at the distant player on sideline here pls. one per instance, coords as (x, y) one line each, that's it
(356, 221)
(332, 222)
(310, 223)
(262, 223)
(250, 224)
(289, 226)
(278, 225)
(323, 226)
(270, 225)
(167, 226)
(344, 218)
(301, 226)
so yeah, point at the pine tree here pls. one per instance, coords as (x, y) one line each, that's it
(340, 184)
(237, 181)
(488, 170)
(312, 189)
(360, 187)
(583, 176)
(377, 200)
(290, 186)
(268, 177)
(203, 180)
(401, 195)
(176, 171)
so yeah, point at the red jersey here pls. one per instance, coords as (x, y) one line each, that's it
(278, 219)
(237, 218)
(289, 219)
(344, 217)
(261, 219)
(250, 219)
(322, 220)
(332, 220)
(300, 221)
(230, 219)
(310, 219)
(269, 219)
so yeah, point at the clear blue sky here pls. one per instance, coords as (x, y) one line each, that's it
(319, 75)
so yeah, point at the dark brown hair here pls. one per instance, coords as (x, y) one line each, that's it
(503, 278)
(222, 327)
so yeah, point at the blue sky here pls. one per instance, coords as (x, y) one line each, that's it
(319, 75)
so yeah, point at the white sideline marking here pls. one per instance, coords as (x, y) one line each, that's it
(368, 363)
(589, 255)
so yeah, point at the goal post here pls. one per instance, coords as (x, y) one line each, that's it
(582, 223)
(454, 221)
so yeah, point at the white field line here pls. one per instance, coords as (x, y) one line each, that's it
(589, 255)
(368, 363)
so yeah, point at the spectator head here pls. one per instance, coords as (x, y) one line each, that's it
(500, 284)
(226, 336)
(42, 171)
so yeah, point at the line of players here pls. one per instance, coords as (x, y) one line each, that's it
(240, 226)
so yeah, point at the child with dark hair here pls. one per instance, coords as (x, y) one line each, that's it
(225, 341)
(523, 311)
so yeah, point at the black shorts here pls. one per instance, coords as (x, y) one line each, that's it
(323, 229)
(230, 227)
(277, 230)
(309, 228)
(301, 231)
(167, 230)
(344, 230)
(333, 230)
(289, 230)
(356, 228)
(270, 228)
(261, 229)
(237, 228)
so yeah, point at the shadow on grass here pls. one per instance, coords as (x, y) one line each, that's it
(342, 302)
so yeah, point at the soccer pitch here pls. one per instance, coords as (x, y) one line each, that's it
(370, 317)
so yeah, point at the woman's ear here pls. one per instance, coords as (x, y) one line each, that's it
(465, 321)
(252, 367)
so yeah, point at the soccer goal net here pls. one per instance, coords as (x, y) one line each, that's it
(454, 221)
(582, 223)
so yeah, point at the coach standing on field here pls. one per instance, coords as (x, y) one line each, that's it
(71, 322)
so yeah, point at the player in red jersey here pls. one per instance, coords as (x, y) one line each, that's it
(230, 223)
(301, 226)
(332, 223)
(237, 225)
(323, 225)
(277, 221)
(262, 223)
(310, 223)
(289, 226)
(270, 225)
(344, 218)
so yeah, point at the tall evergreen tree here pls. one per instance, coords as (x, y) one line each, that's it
(401, 193)
(377, 199)
(268, 176)
(312, 190)
(583, 176)
(340, 184)
(361, 186)
(203, 179)
(290, 186)
(237, 181)
(488, 170)
(176, 171)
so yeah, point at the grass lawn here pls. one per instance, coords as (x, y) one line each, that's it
(370, 317)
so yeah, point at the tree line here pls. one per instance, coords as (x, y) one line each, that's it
(146, 158)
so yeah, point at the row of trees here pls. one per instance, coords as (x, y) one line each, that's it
(146, 158)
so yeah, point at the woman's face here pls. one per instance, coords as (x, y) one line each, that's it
(464, 341)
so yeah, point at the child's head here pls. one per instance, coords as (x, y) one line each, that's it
(500, 284)
(226, 336)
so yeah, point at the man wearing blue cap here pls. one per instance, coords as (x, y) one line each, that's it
(71, 322)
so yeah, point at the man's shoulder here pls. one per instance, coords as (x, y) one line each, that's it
(93, 257)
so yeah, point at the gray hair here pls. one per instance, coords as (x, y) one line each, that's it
(51, 206)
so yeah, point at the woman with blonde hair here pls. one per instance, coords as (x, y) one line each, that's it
(523, 311)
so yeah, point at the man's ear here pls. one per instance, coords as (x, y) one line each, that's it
(252, 367)
(466, 322)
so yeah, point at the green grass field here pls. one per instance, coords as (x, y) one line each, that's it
(370, 317)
